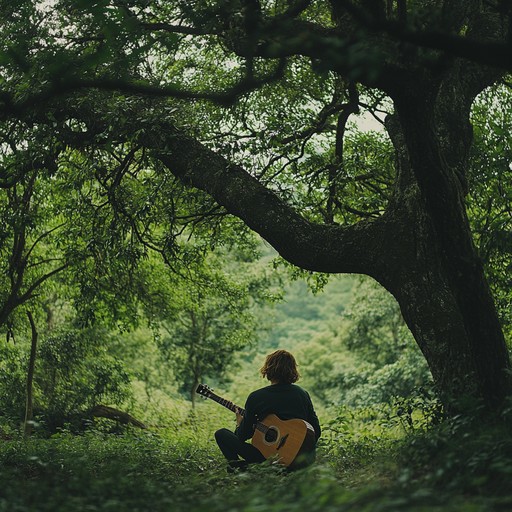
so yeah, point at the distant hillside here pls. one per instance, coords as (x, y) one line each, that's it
(303, 314)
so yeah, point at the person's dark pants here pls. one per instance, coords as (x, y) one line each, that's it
(234, 449)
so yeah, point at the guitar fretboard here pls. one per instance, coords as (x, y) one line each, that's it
(226, 403)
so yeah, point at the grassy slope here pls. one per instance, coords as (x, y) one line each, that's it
(181, 469)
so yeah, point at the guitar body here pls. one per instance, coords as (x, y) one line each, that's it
(284, 440)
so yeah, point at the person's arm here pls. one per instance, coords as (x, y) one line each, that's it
(239, 417)
(245, 428)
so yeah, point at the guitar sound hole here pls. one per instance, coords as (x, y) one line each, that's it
(271, 435)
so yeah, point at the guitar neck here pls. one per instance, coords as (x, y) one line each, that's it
(232, 407)
(226, 403)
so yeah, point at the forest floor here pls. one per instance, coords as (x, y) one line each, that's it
(144, 471)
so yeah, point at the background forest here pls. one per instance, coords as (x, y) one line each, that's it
(187, 186)
(148, 333)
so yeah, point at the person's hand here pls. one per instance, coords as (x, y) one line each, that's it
(239, 416)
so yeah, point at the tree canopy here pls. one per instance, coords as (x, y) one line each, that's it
(175, 114)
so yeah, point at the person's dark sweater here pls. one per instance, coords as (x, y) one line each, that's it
(287, 401)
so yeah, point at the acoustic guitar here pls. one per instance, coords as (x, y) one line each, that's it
(286, 441)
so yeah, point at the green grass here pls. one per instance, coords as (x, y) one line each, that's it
(147, 471)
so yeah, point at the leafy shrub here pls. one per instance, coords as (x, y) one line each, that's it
(464, 454)
(74, 372)
(182, 469)
(368, 357)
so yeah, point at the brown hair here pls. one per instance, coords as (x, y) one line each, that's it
(280, 366)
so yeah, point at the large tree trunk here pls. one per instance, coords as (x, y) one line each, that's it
(461, 340)
(27, 428)
(442, 289)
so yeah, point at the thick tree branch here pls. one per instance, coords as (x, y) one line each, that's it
(330, 48)
(483, 44)
(317, 247)
(9, 107)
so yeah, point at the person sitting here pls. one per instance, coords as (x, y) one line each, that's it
(282, 397)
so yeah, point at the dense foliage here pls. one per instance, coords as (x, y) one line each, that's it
(490, 202)
(111, 110)
(142, 146)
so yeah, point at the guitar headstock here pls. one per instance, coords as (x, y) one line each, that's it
(204, 391)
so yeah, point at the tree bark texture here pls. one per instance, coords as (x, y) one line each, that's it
(441, 288)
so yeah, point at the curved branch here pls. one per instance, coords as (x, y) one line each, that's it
(324, 248)
(226, 97)
(332, 48)
(29, 293)
(37, 240)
